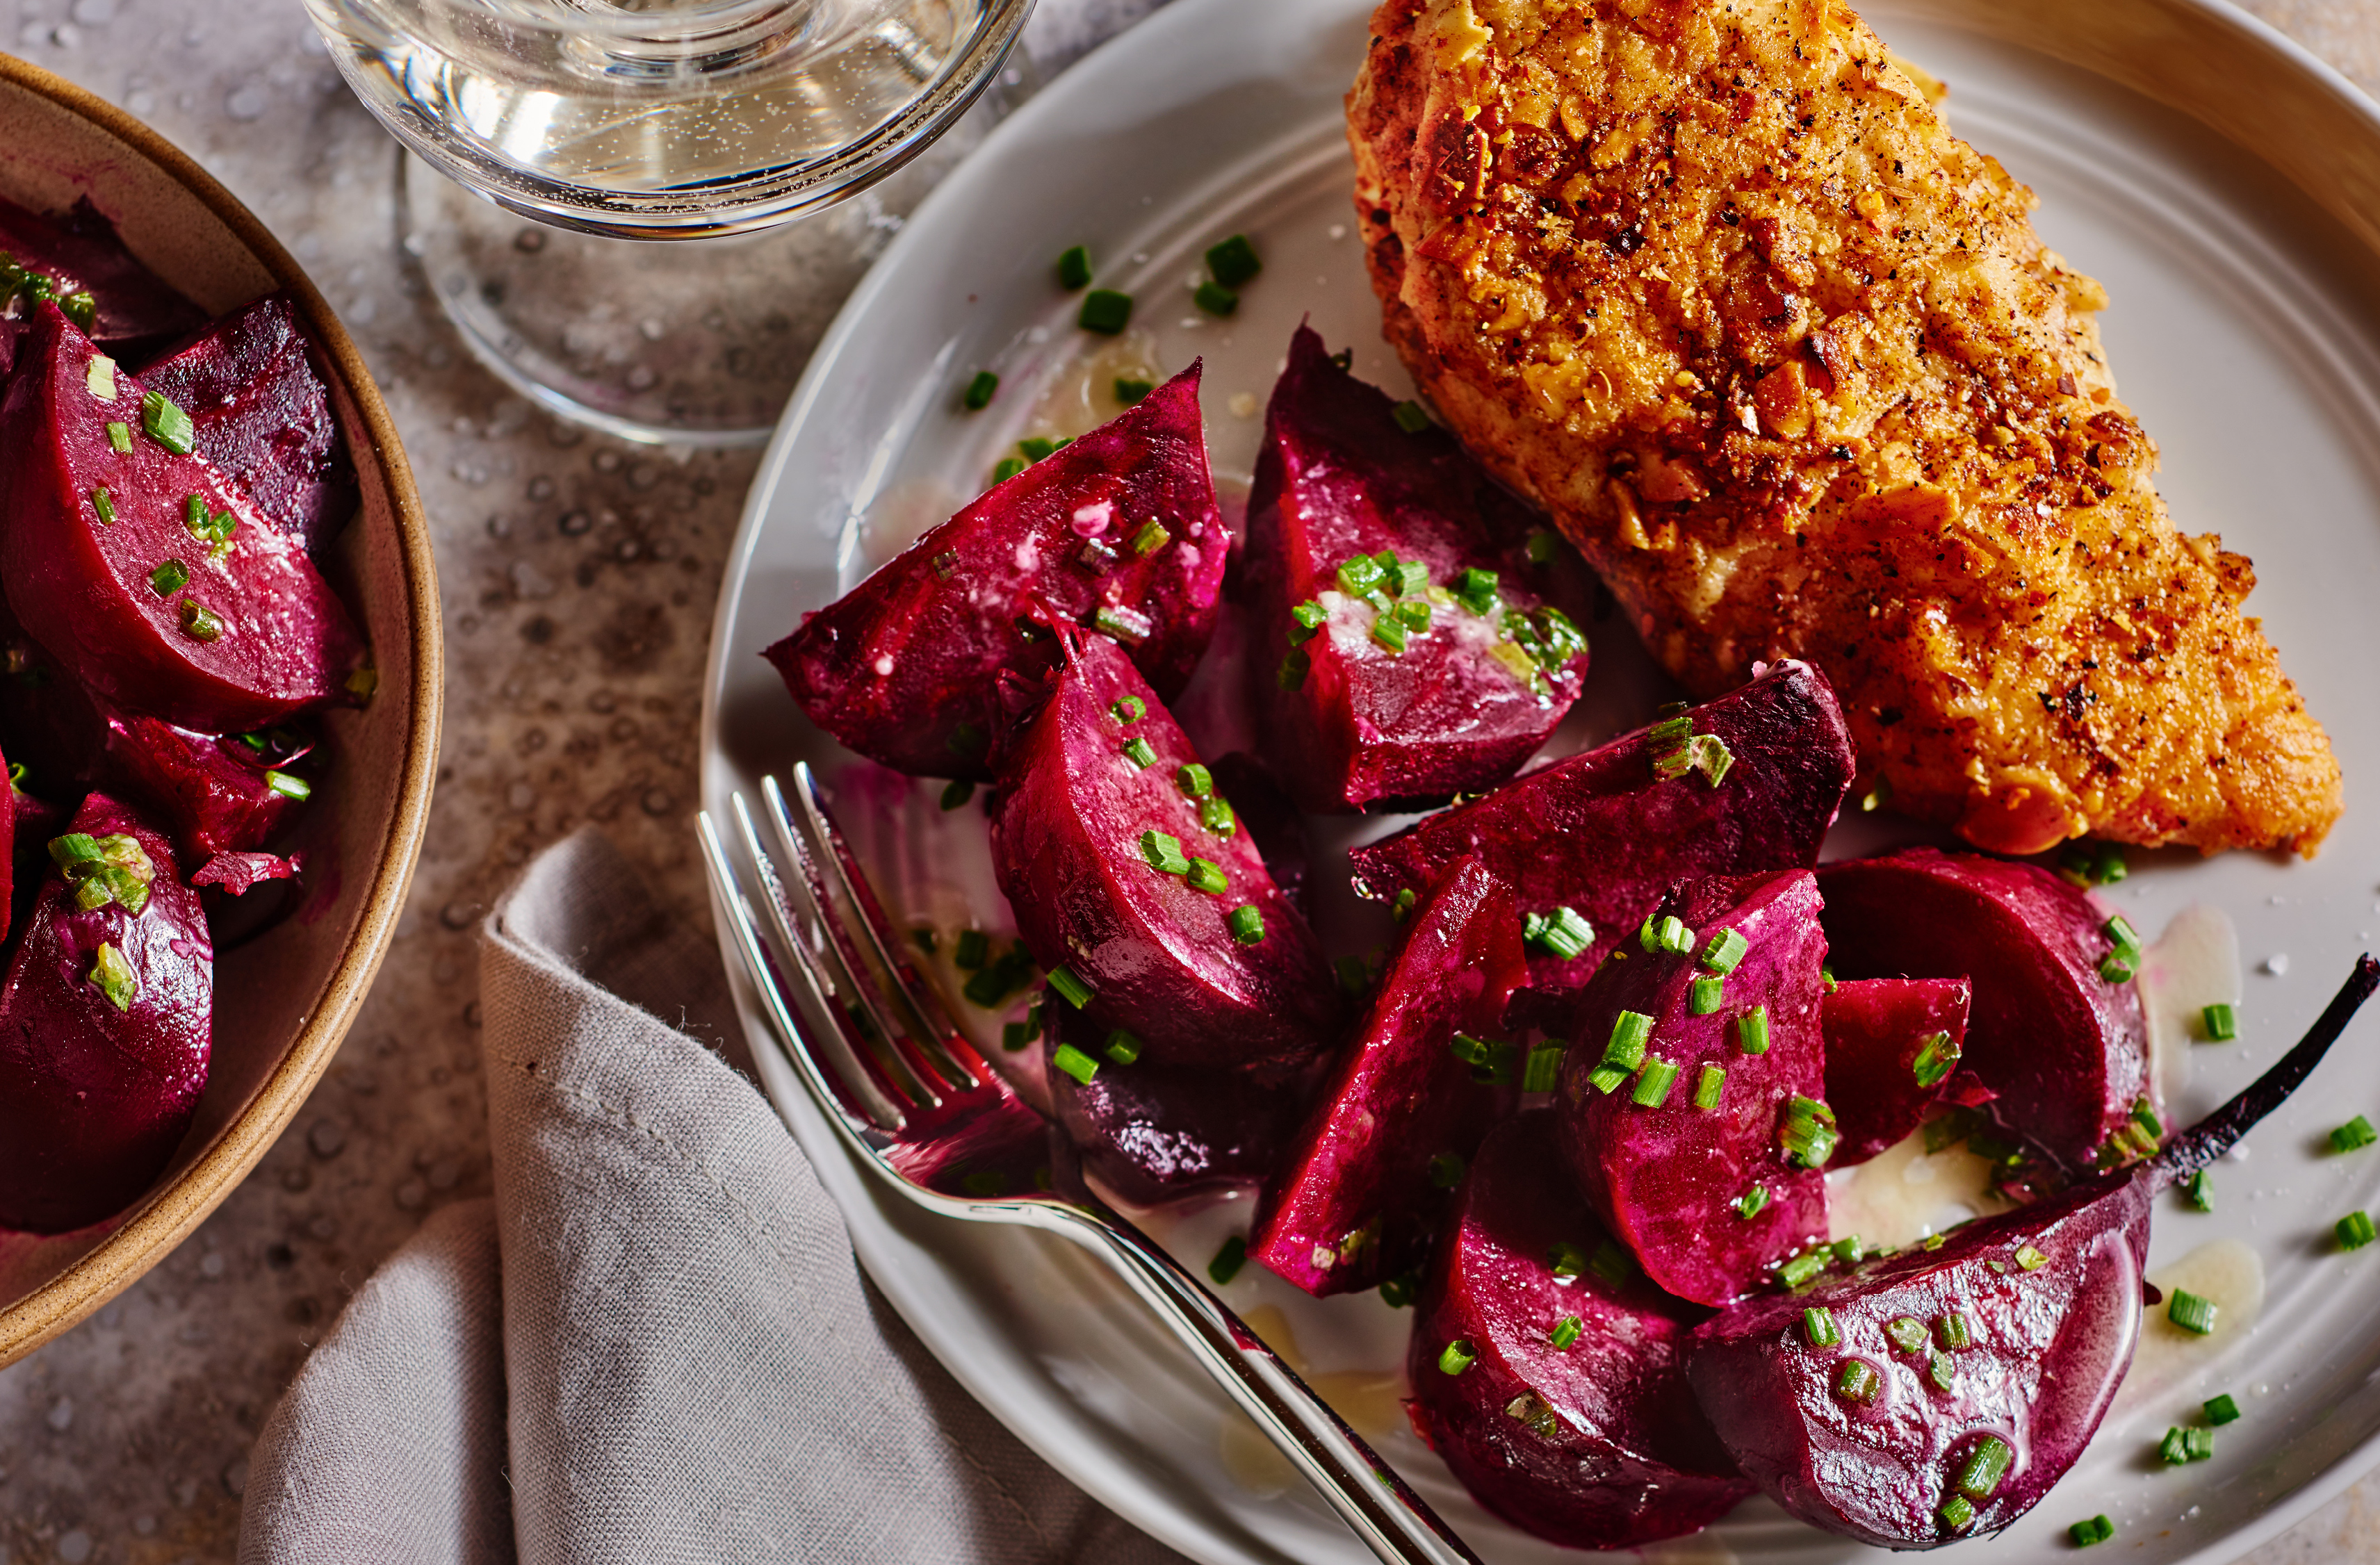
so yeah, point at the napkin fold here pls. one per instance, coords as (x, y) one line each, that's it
(652, 1343)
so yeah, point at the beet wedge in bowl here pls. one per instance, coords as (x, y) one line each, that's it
(1117, 530)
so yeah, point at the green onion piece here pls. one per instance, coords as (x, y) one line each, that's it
(1751, 1203)
(1857, 1381)
(1612, 1264)
(2124, 938)
(1606, 1079)
(2030, 1258)
(1360, 574)
(2222, 1410)
(2144, 1118)
(1706, 996)
(1410, 417)
(979, 391)
(1818, 1325)
(1907, 1334)
(73, 848)
(1710, 1087)
(114, 976)
(972, 951)
(1194, 780)
(1033, 448)
(1402, 902)
(1800, 1268)
(1414, 614)
(2354, 1231)
(1246, 925)
(1456, 1356)
(1674, 937)
(1205, 875)
(1131, 392)
(1951, 1333)
(2199, 1189)
(169, 578)
(1933, 1240)
(1398, 1292)
(1751, 1030)
(104, 504)
(956, 795)
(2191, 1311)
(167, 423)
(1128, 710)
(1561, 933)
(1725, 950)
(289, 787)
(1957, 1513)
(2199, 1444)
(1076, 992)
(1476, 588)
(1006, 468)
(1215, 814)
(1986, 1465)
(1105, 310)
(120, 437)
(1675, 728)
(1845, 1250)
(2115, 969)
(1229, 1259)
(2220, 1024)
(2098, 1528)
(1309, 615)
(200, 623)
(1809, 1136)
(1445, 1172)
(1936, 1057)
(1121, 1047)
(1826, 976)
(1075, 1062)
(2353, 1135)
(1943, 1373)
(2173, 1451)
(1151, 538)
(82, 309)
(1140, 753)
(1566, 1331)
(1014, 1035)
(1407, 579)
(1233, 261)
(1074, 267)
(1565, 1259)
(1630, 1032)
(1214, 298)
(1543, 1068)
(1389, 632)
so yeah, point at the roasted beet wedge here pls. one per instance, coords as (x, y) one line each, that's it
(1103, 848)
(145, 573)
(1118, 529)
(2062, 1045)
(263, 416)
(1548, 1375)
(1361, 1196)
(1691, 1106)
(1934, 1394)
(1892, 1056)
(1605, 833)
(218, 802)
(1408, 648)
(104, 1025)
(79, 253)
(1154, 1133)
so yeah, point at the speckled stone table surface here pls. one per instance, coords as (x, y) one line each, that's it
(579, 577)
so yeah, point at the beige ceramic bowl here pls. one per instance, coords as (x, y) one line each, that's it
(282, 1001)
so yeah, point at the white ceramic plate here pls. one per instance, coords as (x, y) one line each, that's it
(2245, 288)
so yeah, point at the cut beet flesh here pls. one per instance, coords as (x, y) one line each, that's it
(1084, 783)
(93, 1098)
(1356, 1201)
(1597, 1443)
(2065, 1048)
(2017, 1330)
(1601, 834)
(1118, 528)
(1708, 1199)
(79, 253)
(217, 802)
(263, 416)
(1893, 1046)
(1353, 721)
(219, 644)
(1153, 1134)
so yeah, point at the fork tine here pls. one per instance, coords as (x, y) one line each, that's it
(847, 1091)
(862, 1047)
(949, 1048)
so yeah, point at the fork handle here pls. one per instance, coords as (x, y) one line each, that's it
(1395, 1523)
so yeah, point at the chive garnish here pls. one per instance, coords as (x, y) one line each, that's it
(1476, 589)
(1151, 538)
(2198, 1190)
(1445, 1170)
(1724, 952)
(120, 437)
(2098, 1528)
(1006, 468)
(1131, 392)
(1140, 753)
(1128, 710)
(1956, 1514)
(1907, 1334)
(1228, 1260)
(200, 623)
(973, 949)
(1951, 1333)
(1293, 668)
(2191, 1313)
(979, 391)
(1360, 574)
(2354, 1231)
(1710, 1087)
(1215, 814)
(1653, 1083)
(2222, 1409)
(1857, 1381)
(1456, 1356)
(1194, 780)
(113, 977)
(1121, 1047)
(289, 787)
(1818, 1325)
(1389, 632)
(2199, 1444)
(1205, 875)
(1410, 417)
(2355, 1134)
(1802, 1267)
(1074, 267)
(1402, 902)
(1542, 1069)
(1566, 1331)
(104, 504)
(1246, 925)
(1751, 1030)
(1751, 1203)
(1612, 1264)
(1214, 298)
(2172, 1450)
(1233, 261)
(1625, 1048)
(81, 307)
(1809, 1136)
(1986, 1465)
(167, 423)
(1561, 933)
(1670, 935)
(1164, 851)
(169, 578)
(1076, 992)
(1565, 1259)
(1706, 996)
(956, 795)
(2219, 1023)
(1936, 1057)
(1105, 310)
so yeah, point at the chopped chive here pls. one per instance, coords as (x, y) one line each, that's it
(1802, 1267)
(104, 504)
(979, 391)
(1810, 1134)
(289, 787)
(1445, 1172)
(1566, 1331)
(169, 578)
(1604, 1079)
(956, 795)
(1121, 1047)
(1986, 1465)
(1075, 1062)
(2191, 1311)
(2173, 1451)
(2220, 1024)
(2115, 969)
(1907, 1334)
(1857, 1381)
(1215, 815)
(200, 623)
(1751, 1030)
(1205, 875)
(1074, 267)
(1565, 1259)
(1128, 710)
(114, 976)
(973, 949)
(1214, 298)
(167, 423)
(1456, 1356)
(1957, 1513)
(1845, 1250)
(1543, 1068)
(1410, 417)
(1194, 780)
(2199, 1444)
(1936, 1057)
(1151, 538)
(81, 307)
(1561, 933)
(1818, 1325)
(1105, 310)
(2354, 1231)
(1404, 903)
(119, 436)
(2098, 1528)
(1140, 753)
(2030, 1258)
(1476, 588)
(1724, 952)
(1612, 1264)
(1710, 1087)
(1625, 1048)
(1942, 1371)
(1233, 261)
(1131, 392)
(1951, 1333)
(1707, 995)
(1360, 574)
(1293, 670)
(2198, 1190)
(2222, 1410)
(1751, 1203)
(1229, 1259)
(1673, 936)
(1006, 468)
(1389, 632)
(1076, 992)
(1653, 1083)
(1414, 614)
(1164, 851)
(1309, 617)
(1246, 925)
(2125, 938)
(1826, 976)
(2353, 1135)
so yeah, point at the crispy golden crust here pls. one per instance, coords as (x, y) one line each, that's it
(1712, 281)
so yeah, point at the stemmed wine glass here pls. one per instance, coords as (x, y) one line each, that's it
(605, 121)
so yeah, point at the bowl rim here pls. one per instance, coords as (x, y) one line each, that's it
(168, 1215)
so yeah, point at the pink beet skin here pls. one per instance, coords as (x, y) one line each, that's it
(79, 251)
(1886, 1072)
(82, 587)
(1596, 1445)
(1670, 1180)
(263, 416)
(904, 667)
(1066, 828)
(2065, 1050)
(1601, 834)
(94, 1099)
(1354, 1202)
(1354, 724)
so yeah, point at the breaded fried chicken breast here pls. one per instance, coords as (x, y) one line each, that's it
(1712, 281)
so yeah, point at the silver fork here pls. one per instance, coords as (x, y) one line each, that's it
(906, 1092)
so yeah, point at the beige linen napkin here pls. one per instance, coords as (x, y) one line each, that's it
(652, 1344)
